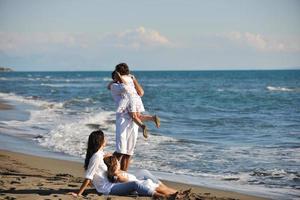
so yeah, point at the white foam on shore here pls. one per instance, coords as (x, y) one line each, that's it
(31, 100)
(43, 115)
(71, 136)
(59, 130)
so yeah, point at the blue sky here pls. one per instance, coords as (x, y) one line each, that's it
(150, 35)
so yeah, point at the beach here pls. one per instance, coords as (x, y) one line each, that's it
(28, 177)
(233, 141)
(32, 177)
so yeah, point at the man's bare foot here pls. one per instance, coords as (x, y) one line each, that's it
(145, 131)
(157, 121)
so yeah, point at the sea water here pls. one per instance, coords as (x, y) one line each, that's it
(231, 129)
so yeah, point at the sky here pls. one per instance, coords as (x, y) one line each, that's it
(149, 35)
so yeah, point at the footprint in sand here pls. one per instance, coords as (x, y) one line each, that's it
(64, 175)
(72, 185)
(14, 182)
(9, 198)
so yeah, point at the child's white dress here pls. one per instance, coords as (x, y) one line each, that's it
(130, 98)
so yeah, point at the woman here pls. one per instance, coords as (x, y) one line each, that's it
(96, 172)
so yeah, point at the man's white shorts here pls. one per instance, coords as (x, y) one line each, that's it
(126, 134)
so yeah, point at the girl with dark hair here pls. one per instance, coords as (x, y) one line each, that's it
(96, 142)
(96, 171)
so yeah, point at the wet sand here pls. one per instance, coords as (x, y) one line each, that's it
(31, 177)
(5, 106)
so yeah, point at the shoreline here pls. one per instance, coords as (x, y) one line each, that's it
(21, 147)
(5, 106)
(21, 176)
(54, 159)
(35, 152)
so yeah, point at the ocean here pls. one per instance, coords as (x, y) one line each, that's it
(237, 130)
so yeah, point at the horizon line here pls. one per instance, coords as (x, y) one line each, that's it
(162, 70)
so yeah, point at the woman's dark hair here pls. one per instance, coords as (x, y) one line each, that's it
(96, 140)
(111, 163)
(122, 68)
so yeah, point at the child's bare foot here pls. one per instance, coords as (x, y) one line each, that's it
(145, 131)
(157, 121)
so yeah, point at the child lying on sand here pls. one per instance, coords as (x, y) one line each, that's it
(157, 188)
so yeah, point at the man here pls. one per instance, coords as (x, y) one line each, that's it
(126, 129)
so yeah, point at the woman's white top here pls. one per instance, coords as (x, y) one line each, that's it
(97, 172)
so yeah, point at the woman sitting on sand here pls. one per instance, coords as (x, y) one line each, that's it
(96, 172)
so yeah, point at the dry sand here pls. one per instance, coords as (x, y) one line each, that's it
(30, 177)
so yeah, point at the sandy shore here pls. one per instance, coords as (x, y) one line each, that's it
(30, 177)
(4, 105)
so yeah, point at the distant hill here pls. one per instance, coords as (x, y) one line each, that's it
(5, 69)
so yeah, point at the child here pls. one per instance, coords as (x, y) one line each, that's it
(131, 100)
(115, 175)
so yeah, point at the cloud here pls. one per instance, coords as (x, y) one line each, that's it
(22, 44)
(264, 43)
(138, 39)
(39, 42)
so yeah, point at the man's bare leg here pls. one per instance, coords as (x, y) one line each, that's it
(125, 162)
(118, 155)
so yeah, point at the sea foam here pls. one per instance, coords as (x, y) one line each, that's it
(283, 89)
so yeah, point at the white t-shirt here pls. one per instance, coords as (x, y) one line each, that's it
(117, 89)
(97, 172)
